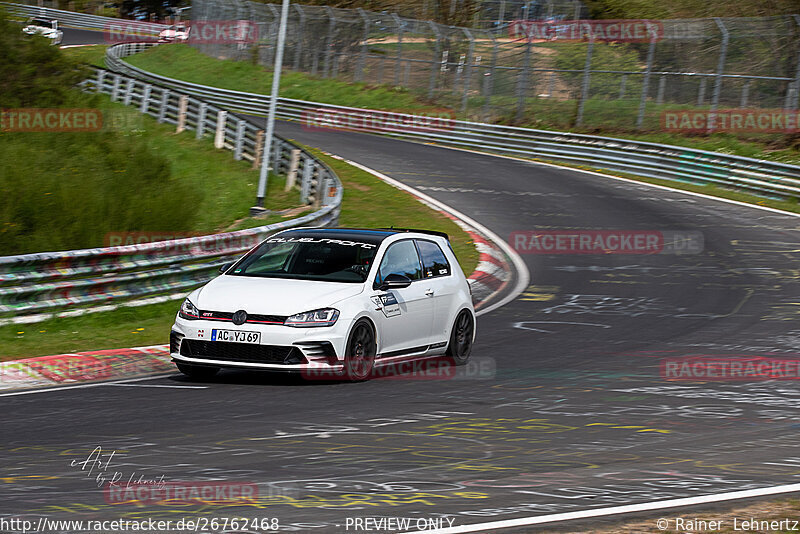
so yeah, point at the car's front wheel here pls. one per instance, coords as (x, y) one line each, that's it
(199, 372)
(361, 351)
(460, 345)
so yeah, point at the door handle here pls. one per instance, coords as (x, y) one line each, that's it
(429, 292)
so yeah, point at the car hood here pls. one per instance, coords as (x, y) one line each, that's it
(271, 296)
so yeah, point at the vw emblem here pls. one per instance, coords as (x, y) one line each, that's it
(240, 317)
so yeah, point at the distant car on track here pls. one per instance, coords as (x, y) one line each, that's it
(44, 27)
(339, 302)
(177, 33)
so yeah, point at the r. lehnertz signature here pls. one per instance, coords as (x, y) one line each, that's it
(98, 465)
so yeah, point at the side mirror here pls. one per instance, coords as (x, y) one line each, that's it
(225, 266)
(395, 281)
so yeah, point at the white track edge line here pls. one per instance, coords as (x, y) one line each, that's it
(523, 275)
(82, 386)
(613, 177)
(628, 508)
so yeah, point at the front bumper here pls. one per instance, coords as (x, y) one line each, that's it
(282, 348)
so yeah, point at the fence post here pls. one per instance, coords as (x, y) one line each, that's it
(162, 110)
(291, 176)
(144, 107)
(662, 85)
(651, 50)
(468, 74)
(183, 103)
(794, 104)
(399, 25)
(298, 50)
(586, 79)
(305, 185)
(237, 150)
(101, 78)
(362, 57)
(435, 65)
(201, 121)
(329, 42)
(259, 149)
(745, 94)
(488, 82)
(712, 118)
(522, 83)
(701, 93)
(219, 134)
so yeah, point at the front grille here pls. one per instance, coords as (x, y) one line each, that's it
(251, 318)
(174, 341)
(318, 351)
(241, 352)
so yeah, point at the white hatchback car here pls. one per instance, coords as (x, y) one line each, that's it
(44, 27)
(179, 33)
(329, 302)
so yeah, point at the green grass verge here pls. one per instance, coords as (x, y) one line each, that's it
(149, 325)
(91, 55)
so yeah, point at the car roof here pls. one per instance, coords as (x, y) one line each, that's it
(367, 235)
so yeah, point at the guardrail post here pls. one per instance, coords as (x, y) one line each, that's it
(144, 106)
(587, 73)
(259, 149)
(115, 88)
(712, 118)
(277, 152)
(219, 135)
(162, 110)
(129, 91)
(101, 78)
(651, 50)
(183, 103)
(291, 176)
(237, 151)
(201, 121)
(305, 185)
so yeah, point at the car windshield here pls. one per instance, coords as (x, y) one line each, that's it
(42, 22)
(309, 258)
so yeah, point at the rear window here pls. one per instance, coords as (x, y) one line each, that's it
(434, 262)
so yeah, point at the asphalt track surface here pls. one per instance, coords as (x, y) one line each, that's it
(573, 413)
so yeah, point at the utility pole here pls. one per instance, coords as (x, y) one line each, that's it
(266, 156)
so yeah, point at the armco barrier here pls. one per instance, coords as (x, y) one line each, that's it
(50, 281)
(84, 21)
(651, 160)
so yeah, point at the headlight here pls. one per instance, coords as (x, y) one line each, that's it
(189, 311)
(324, 317)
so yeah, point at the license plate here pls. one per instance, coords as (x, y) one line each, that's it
(236, 336)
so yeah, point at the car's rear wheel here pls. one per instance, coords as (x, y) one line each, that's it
(460, 345)
(361, 350)
(198, 372)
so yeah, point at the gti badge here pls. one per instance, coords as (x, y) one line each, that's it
(240, 317)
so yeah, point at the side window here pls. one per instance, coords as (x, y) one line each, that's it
(434, 262)
(400, 258)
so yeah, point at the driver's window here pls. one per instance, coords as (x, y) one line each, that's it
(400, 258)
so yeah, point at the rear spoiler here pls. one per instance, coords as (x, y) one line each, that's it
(428, 232)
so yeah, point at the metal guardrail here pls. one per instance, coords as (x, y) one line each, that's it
(639, 158)
(36, 283)
(84, 21)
